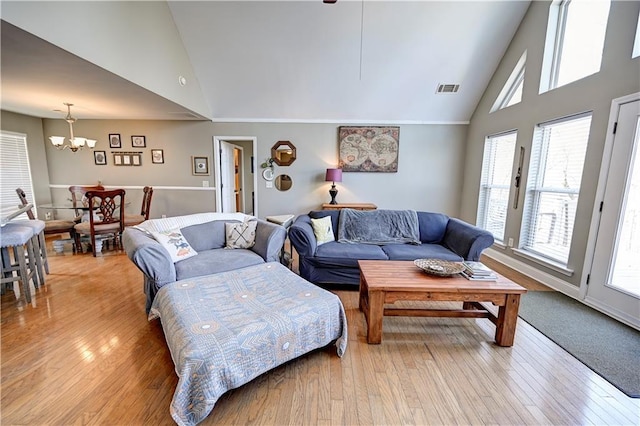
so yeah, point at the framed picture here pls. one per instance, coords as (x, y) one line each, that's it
(100, 158)
(114, 140)
(138, 142)
(117, 159)
(369, 149)
(200, 166)
(157, 156)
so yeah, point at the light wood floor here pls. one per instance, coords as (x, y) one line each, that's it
(84, 353)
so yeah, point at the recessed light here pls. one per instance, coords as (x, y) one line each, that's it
(182, 81)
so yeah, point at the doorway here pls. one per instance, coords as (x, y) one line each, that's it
(235, 179)
(612, 283)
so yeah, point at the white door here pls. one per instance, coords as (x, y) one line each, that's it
(227, 177)
(614, 282)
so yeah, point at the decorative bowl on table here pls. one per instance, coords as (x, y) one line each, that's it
(442, 268)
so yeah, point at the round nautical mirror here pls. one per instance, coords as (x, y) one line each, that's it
(284, 182)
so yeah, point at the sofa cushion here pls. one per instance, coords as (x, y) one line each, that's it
(341, 254)
(432, 226)
(241, 235)
(334, 214)
(205, 236)
(175, 244)
(323, 230)
(423, 251)
(217, 260)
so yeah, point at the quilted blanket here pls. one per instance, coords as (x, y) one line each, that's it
(223, 330)
(378, 227)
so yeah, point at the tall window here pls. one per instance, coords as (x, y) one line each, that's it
(497, 165)
(553, 186)
(15, 171)
(575, 41)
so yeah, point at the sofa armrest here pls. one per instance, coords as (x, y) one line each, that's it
(149, 256)
(302, 237)
(269, 240)
(466, 240)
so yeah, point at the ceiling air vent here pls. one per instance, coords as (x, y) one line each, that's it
(448, 88)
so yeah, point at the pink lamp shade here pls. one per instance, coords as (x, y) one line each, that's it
(333, 175)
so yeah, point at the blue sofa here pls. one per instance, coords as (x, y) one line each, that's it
(336, 262)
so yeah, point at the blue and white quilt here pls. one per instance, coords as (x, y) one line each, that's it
(224, 330)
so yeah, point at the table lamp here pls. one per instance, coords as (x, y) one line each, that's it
(333, 176)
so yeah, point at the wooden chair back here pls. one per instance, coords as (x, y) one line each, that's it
(79, 199)
(146, 202)
(106, 214)
(23, 200)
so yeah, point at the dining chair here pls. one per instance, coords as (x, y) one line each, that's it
(134, 219)
(79, 199)
(106, 218)
(50, 226)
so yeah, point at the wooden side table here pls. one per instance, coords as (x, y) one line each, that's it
(355, 206)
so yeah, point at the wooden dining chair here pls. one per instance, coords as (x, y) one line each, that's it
(106, 218)
(79, 199)
(134, 219)
(50, 226)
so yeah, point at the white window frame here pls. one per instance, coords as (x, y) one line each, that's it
(15, 172)
(554, 45)
(535, 189)
(492, 145)
(516, 78)
(636, 41)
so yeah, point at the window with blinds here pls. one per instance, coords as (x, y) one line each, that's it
(15, 172)
(495, 183)
(553, 187)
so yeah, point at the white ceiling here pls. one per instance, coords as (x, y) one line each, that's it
(351, 61)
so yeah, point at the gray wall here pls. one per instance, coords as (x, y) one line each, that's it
(176, 190)
(32, 127)
(429, 174)
(619, 76)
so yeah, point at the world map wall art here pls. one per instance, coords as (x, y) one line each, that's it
(369, 149)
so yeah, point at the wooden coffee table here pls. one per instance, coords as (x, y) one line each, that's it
(389, 281)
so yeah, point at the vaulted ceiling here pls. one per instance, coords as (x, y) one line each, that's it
(289, 61)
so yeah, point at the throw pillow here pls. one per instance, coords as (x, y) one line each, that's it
(323, 230)
(241, 235)
(175, 244)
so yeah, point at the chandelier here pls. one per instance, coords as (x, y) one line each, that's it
(75, 143)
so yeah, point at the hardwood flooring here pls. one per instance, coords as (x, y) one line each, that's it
(84, 353)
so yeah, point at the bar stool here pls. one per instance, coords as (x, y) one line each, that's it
(39, 246)
(19, 239)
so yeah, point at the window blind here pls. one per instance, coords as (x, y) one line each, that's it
(495, 183)
(553, 187)
(15, 172)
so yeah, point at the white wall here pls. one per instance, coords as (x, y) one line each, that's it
(137, 40)
(619, 76)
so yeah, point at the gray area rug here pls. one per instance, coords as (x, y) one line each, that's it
(603, 344)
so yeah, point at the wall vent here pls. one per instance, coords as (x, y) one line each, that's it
(448, 88)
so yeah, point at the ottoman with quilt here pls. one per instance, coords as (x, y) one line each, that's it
(224, 330)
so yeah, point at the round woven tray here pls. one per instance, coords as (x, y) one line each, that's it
(442, 268)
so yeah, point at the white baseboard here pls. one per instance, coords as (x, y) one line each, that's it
(531, 272)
